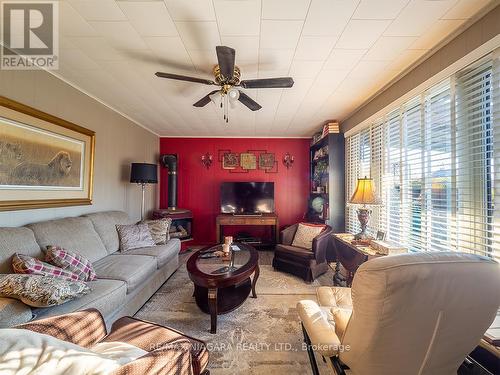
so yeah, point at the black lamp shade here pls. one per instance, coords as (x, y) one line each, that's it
(143, 173)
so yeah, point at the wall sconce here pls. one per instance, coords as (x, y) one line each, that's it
(288, 160)
(207, 160)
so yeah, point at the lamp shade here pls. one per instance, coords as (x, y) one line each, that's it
(365, 192)
(143, 173)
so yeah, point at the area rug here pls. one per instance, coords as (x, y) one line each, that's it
(263, 336)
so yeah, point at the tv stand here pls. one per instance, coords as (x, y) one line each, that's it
(247, 215)
(262, 219)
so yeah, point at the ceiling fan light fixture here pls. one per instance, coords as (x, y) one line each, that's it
(215, 98)
(233, 95)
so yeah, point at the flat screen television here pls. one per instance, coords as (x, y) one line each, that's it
(247, 198)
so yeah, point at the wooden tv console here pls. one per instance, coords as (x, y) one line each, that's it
(230, 219)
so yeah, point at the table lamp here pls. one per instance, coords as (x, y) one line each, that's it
(143, 174)
(364, 195)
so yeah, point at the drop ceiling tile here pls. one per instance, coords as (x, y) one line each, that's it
(247, 47)
(191, 10)
(361, 34)
(199, 35)
(305, 69)
(149, 18)
(314, 47)
(407, 58)
(388, 48)
(417, 17)
(72, 23)
(98, 10)
(365, 70)
(238, 17)
(436, 33)
(344, 58)
(465, 9)
(76, 59)
(171, 52)
(284, 9)
(328, 17)
(379, 9)
(275, 59)
(97, 48)
(280, 34)
(204, 60)
(120, 35)
(331, 78)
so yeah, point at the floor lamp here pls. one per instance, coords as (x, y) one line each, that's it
(143, 174)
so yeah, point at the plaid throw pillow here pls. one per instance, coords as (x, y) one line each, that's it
(71, 261)
(29, 265)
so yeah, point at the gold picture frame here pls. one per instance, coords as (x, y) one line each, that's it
(248, 161)
(45, 161)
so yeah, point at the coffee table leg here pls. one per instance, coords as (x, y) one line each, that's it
(254, 281)
(212, 305)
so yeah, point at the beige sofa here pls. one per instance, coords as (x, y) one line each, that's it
(125, 280)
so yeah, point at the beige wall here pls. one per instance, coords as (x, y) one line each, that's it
(118, 143)
(479, 33)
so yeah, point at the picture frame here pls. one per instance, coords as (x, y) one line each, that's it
(248, 161)
(267, 161)
(380, 235)
(45, 161)
(230, 160)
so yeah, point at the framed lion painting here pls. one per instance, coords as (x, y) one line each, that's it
(45, 161)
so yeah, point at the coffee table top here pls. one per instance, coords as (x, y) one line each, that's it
(206, 269)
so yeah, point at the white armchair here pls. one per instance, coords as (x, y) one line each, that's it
(419, 313)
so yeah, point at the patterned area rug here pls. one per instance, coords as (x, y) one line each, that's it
(263, 336)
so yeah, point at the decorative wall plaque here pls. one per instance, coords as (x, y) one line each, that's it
(248, 161)
(266, 161)
(230, 160)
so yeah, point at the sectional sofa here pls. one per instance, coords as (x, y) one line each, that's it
(125, 280)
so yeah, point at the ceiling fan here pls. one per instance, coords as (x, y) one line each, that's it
(227, 76)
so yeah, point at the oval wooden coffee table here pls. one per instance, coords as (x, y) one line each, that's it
(220, 285)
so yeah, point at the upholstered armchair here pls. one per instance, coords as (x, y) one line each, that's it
(419, 313)
(169, 352)
(305, 263)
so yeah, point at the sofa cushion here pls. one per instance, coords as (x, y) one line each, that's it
(73, 233)
(27, 352)
(105, 225)
(162, 253)
(160, 229)
(134, 236)
(41, 291)
(13, 312)
(133, 269)
(107, 296)
(12, 240)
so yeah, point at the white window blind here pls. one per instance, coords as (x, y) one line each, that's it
(436, 164)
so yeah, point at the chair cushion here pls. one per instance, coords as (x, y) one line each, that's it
(25, 264)
(162, 253)
(75, 233)
(71, 261)
(305, 234)
(133, 269)
(107, 296)
(334, 297)
(13, 312)
(288, 251)
(23, 351)
(105, 225)
(20, 240)
(41, 291)
(134, 236)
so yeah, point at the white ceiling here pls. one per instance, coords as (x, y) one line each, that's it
(339, 52)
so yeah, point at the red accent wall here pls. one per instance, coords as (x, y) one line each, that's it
(198, 188)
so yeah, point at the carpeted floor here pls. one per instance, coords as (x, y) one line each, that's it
(263, 336)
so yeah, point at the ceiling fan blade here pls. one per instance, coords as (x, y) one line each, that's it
(283, 82)
(226, 56)
(184, 78)
(205, 100)
(249, 102)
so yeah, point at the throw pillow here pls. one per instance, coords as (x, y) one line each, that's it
(41, 291)
(26, 352)
(134, 236)
(71, 261)
(305, 234)
(29, 265)
(159, 230)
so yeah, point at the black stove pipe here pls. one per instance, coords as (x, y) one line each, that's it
(169, 161)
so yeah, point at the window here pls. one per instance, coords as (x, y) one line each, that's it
(436, 163)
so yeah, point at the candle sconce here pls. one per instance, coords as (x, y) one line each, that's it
(288, 160)
(207, 160)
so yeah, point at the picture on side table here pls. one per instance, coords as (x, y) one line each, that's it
(44, 161)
